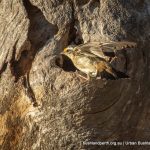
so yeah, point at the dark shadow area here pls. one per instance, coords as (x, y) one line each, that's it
(110, 54)
(65, 63)
(74, 35)
(3, 68)
(120, 74)
(83, 2)
(29, 91)
(40, 31)
(106, 75)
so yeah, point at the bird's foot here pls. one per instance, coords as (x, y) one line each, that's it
(82, 77)
(113, 59)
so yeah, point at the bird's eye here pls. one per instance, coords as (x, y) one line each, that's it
(66, 50)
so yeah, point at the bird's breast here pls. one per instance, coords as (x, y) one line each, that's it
(84, 64)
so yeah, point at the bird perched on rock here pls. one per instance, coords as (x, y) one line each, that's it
(93, 58)
(89, 64)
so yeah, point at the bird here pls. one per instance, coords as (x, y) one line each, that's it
(91, 64)
(105, 50)
(94, 58)
(88, 49)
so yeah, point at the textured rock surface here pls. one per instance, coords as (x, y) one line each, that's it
(44, 107)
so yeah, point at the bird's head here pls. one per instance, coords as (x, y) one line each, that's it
(69, 51)
(69, 48)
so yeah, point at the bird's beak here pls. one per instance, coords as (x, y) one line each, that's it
(62, 53)
(65, 49)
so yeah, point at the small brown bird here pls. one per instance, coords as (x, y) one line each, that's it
(89, 64)
(93, 58)
(105, 50)
(89, 49)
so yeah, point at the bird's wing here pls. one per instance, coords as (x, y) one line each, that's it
(88, 53)
(115, 46)
(91, 49)
(104, 49)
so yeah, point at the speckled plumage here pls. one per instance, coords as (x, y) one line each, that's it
(91, 59)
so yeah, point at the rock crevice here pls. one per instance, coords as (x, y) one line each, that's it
(69, 111)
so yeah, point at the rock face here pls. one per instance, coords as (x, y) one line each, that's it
(43, 106)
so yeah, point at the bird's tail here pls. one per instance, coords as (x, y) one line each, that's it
(111, 71)
(116, 74)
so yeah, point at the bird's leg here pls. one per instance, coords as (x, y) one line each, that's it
(88, 77)
(112, 59)
(81, 76)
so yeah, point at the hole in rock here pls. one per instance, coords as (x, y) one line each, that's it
(65, 63)
(120, 74)
(23, 65)
(40, 29)
(108, 76)
(110, 54)
(75, 36)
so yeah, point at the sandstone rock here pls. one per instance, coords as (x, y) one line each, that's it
(43, 106)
